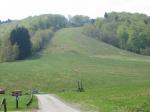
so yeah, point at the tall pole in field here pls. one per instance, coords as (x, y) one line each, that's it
(17, 99)
(17, 93)
(5, 105)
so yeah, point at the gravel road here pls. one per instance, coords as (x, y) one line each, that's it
(49, 103)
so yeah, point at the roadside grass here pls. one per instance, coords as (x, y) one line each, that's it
(11, 103)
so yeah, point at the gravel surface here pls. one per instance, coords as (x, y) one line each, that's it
(49, 103)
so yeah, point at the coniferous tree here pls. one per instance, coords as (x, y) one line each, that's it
(20, 36)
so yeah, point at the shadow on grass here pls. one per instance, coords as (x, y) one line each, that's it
(34, 57)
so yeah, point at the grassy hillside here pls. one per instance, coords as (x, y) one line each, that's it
(73, 40)
(114, 80)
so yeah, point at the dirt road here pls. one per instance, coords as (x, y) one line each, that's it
(49, 103)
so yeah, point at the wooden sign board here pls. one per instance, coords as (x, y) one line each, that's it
(17, 93)
(2, 91)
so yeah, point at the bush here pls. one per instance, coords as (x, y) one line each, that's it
(40, 39)
(8, 52)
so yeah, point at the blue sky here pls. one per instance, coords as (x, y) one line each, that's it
(18, 9)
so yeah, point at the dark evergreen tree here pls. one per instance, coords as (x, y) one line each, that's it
(106, 15)
(20, 36)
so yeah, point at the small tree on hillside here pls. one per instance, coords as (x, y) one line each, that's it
(20, 36)
(8, 52)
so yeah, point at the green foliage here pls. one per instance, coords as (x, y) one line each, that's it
(106, 34)
(91, 31)
(125, 30)
(47, 21)
(78, 20)
(40, 29)
(40, 39)
(123, 36)
(21, 38)
(8, 52)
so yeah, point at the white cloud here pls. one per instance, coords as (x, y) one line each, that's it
(17, 9)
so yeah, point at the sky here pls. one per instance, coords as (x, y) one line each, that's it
(19, 9)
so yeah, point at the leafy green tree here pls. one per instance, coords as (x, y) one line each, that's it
(8, 52)
(123, 36)
(91, 31)
(79, 20)
(40, 39)
(125, 30)
(99, 23)
(55, 21)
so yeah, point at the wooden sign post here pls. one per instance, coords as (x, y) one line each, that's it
(4, 104)
(2, 91)
(17, 93)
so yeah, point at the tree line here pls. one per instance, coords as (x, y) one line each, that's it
(7, 21)
(123, 30)
(21, 39)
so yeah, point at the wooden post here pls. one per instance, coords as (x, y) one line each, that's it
(17, 98)
(5, 105)
(17, 93)
(79, 86)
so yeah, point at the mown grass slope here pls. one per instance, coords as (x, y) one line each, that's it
(73, 40)
(114, 80)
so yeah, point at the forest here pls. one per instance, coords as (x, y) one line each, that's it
(123, 30)
(20, 39)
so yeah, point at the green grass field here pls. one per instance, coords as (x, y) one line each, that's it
(11, 102)
(114, 80)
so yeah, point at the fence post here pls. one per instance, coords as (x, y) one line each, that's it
(79, 86)
(4, 104)
(17, 98)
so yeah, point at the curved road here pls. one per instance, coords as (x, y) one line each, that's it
(49, 103)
